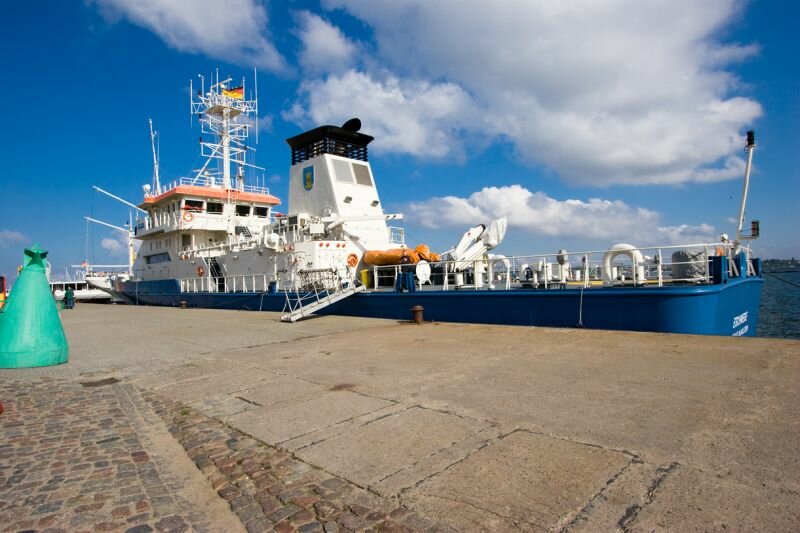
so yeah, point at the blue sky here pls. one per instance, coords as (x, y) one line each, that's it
(586, 123)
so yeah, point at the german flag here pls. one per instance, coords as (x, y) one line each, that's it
(235, 92)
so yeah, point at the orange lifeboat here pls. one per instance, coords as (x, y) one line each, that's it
(400, 256)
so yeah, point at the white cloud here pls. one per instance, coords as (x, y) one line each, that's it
(265, 124)
(116, 246)
(686, 234)
(9, 237)
(233, 30)
(415, 117)
(324, 47)
(539, 214)
(603, 92)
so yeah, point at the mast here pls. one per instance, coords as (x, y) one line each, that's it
(750, 147)
(156, 181)
(225, 113)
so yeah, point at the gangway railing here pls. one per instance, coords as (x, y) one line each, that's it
(318, 289)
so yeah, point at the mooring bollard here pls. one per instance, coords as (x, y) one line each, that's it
(416, 314)
(184, 305)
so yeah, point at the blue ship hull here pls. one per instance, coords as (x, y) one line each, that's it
(729, 308)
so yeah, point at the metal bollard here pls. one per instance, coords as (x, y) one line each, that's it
(184, 305)
(416, 314)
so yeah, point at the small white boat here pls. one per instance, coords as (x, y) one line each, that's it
(83, 291)
(83, 283)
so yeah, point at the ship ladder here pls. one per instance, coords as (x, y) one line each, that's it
(318, 290)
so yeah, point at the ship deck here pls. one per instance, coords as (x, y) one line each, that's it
(482, 427)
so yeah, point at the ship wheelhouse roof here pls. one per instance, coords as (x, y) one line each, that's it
(344, 141)
(210, 192)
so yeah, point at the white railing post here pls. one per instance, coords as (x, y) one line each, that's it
(586, 271)
(659, 269)
(546, 273)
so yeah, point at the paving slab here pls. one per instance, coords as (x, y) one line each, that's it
(276, 391)
(287, 421)
(521, 482)
(690, 499)
(213, 383)
(388, 445)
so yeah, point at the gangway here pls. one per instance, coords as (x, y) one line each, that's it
(319, 288)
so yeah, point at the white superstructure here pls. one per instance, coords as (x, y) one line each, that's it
(212, 228)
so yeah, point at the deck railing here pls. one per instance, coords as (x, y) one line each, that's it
(545, 271)
(208, 181)
(655, 267)
(242, 283)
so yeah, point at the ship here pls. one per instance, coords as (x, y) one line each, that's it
(211, 240)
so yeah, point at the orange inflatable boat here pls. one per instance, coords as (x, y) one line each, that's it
(400, 256)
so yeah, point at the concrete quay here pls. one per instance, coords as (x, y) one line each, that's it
(339, 423)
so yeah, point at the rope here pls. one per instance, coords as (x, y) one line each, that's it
(783, 280)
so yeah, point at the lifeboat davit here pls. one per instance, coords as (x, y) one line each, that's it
(400, 256)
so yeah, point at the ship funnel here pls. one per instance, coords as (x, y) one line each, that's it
(30, 328)
(354, 124)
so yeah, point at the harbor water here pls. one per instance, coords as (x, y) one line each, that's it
(780, 306)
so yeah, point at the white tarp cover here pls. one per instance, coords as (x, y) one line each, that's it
(495, 233)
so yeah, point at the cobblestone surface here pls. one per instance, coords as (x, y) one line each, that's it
(271, 490)
(73, 458)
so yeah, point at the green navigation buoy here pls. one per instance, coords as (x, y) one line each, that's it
(30, 328)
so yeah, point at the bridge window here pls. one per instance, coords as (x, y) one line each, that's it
(242, 210)
(362, 174)
(262, 212)
(157, 258)
(214, 208)
(342, 171)
(193, 205)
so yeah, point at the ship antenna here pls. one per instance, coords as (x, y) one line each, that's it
(156, 179)
(255, 83)
(750, 147)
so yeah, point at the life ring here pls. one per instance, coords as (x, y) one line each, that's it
(200, 271)
(188, 217)
(352, 260)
